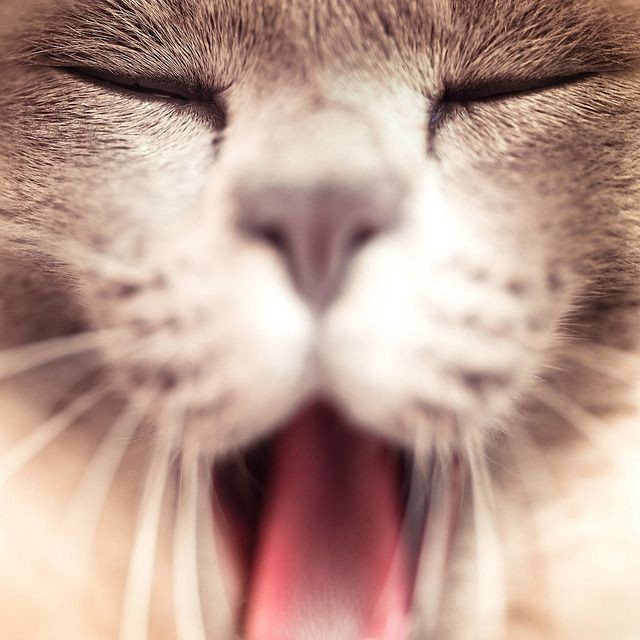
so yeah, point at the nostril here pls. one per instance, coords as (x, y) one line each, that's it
(274, 236)
(361, 237)
(268, 232)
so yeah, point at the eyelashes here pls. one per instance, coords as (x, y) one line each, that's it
(504, 89)
(455, 99)
(150, 90)
(155, 90)
(462, 94)
(459, 100)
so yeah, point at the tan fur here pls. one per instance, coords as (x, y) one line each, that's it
(498, 318)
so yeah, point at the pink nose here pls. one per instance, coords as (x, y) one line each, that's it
(318, 231)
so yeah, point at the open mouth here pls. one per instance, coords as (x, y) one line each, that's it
(323, 529)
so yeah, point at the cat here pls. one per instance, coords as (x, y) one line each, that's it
(319, 320)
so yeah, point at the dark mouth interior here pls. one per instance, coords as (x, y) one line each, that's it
(242, 482)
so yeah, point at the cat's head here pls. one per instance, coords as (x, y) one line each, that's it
(393, 207)
(399, 209)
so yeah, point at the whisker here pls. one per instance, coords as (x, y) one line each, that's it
(591, 427)
(489, 560)
(139, 582)
(188, 605)
(610, 366)
(24, 358)
(423, 485)
(22, 453)
(88, 501)
(12, 461)
(214, 585)
(617, 447)
(445, 502)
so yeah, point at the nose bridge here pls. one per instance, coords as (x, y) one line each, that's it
(313, 140)
(342, 143)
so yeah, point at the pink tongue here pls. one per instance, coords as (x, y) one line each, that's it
(330, 562)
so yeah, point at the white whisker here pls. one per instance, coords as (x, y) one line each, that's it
(594, 429)
(223, 621)
(445, 502)
(489, 559)
(22, 453)
(43, 435)
(618, 367)
(138, 587)
(186, 584)
(21, 359)
(87, 504)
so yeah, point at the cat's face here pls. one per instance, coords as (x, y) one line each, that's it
(397, 208)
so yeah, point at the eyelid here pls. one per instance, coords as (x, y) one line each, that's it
(209, 103)
(503, 89)
(159, 90)
(458, 98)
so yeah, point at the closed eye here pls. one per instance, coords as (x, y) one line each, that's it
(208, 101)
(143, 88)
(503, 89)
(462, 96)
